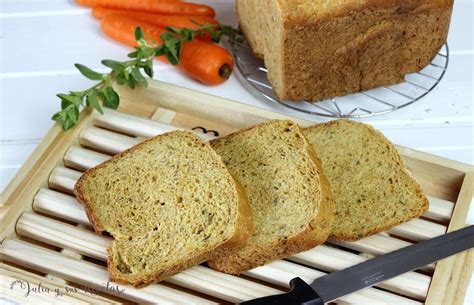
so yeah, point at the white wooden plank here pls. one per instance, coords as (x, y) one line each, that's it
(50, 202)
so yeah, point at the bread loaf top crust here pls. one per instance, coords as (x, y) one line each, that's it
(304, 11)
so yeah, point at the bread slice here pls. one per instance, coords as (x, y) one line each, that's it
(289, 196)
(320, 49)
(169, 203)
(371, 188)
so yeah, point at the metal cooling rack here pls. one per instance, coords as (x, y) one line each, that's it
(253, 75)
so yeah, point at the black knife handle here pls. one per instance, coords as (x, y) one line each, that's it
(300, 293)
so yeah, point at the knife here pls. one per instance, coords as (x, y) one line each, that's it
(335, 285)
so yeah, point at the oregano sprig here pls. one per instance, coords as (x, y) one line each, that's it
(129, 73)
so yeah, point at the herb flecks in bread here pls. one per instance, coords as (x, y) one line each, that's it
(169, 203)
(289, 197)
(371, 188)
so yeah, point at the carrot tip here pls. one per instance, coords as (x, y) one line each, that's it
(225, 71)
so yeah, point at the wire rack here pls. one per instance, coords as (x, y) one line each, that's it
(253, 75)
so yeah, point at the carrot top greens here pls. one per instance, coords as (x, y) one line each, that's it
(129, 72)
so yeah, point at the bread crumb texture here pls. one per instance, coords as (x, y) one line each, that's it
(371, 188)
(169, 202)
(288, 195)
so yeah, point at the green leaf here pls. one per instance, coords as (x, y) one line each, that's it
(131, 83)
(68, 124)
(147, 52)
(167, 36)
(139, 77)
(173, 52)
(112, 99)
(113, 64)
(216, 36)
(92, 99)
(188, 34)
(57, 116)
(90, 74)
(73, 114)
(65, 104)
(69, 98)
(161, 50)
(149, 69)
(173, 29)
(139, 34)
(121, 79)
(133, 54)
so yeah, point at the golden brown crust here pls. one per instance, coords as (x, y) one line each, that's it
(243, 226)
(329, 50)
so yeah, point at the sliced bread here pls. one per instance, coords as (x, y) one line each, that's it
(371, 188)
(169, 203)
(289, 197)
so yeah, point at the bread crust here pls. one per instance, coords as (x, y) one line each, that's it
(311, 35)
(242, 230)
(400, 162)
(315, 233)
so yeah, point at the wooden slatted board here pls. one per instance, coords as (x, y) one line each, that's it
(46, 236)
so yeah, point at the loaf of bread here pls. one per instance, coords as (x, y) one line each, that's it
(315, 50)
(371, 188)
(288, 194)
(169, 203)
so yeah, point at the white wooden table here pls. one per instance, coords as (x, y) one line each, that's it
(41, 40)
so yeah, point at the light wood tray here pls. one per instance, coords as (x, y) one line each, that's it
(47, 239)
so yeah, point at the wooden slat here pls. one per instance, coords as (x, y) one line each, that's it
(378, 244)
(63, 179)
(83, 159)
(136, 126)
(418, 230)
(131, 124)
(198, 278)
(49, 202)
(330, 259)
(105, 141)
(62, 235)
(440, 209)
(88, 274)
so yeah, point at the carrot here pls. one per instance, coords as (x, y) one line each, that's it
(168, 7)
(206, 62)
(177, 21)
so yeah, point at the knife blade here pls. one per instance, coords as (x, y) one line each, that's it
(337, 284)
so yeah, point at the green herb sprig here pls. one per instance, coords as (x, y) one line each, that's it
(129, 72)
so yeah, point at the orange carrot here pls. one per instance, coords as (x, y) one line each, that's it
(168, 7)
(177, 21)
(205, 62)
